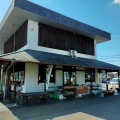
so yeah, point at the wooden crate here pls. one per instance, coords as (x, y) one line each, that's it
(82, 90)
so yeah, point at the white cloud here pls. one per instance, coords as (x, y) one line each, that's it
(116, 2)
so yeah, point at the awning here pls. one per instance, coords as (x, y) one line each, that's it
(51, 58)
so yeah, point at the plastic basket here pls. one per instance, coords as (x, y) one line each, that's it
(55, 96)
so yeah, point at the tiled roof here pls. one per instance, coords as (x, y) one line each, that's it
(51, 58)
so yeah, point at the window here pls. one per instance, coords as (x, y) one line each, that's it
(42, 74)
(64, 40)
(18, 73)
(69, 75)
(89, 75)
(17, 40)
(66, 77)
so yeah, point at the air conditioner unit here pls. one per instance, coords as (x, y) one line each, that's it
(73, 53)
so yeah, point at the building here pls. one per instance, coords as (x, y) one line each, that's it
(50, 49)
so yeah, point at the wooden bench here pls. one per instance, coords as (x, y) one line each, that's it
(25, 97)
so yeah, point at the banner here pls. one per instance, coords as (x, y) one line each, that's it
(48, 74)
(103, 76)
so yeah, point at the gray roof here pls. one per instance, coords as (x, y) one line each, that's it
(56, 17)
(51, 58)
(22, 10)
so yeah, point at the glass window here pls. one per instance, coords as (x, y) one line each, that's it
(66, 78)
(42, 74)
(18, 73)
(69, 77)
(89, 75)
(73, 78)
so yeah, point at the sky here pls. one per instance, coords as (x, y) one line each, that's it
(102, 14)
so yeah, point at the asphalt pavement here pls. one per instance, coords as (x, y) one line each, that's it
(85, 108)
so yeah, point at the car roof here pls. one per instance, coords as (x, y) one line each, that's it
(114, 78)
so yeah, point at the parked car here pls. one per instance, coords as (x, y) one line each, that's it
(114, 83)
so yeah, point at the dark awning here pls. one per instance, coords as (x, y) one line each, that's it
(51, 58)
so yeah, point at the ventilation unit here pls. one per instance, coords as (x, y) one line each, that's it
(73, 53)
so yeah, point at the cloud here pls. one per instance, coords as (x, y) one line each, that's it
(116, 2)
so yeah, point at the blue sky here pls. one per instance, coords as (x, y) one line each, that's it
(103, 14)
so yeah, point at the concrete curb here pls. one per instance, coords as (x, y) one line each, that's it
(6, 114)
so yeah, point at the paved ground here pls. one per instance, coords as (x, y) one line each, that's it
(95, 108)
(6, 114)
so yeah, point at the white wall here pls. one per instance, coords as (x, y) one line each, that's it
(31, 79)
(59, 77)
(58, 80)
(32, 36)
(32, 42)
(61, 52)
(80, 77)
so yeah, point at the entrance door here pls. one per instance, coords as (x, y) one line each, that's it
(69, 76)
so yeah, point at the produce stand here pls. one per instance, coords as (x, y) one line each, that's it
(75, 90)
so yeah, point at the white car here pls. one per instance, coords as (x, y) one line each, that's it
(114, 83)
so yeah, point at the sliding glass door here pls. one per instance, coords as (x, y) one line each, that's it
(69, 76)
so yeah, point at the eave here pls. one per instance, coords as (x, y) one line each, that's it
(22, 10)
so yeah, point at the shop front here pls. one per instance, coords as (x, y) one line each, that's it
(47, 72)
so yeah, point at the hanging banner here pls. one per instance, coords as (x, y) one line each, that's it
(48, 74)
(103, 76)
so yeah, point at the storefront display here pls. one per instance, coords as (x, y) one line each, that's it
(18, 73)
(75, 90)
(89, 75)
(69, 75)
